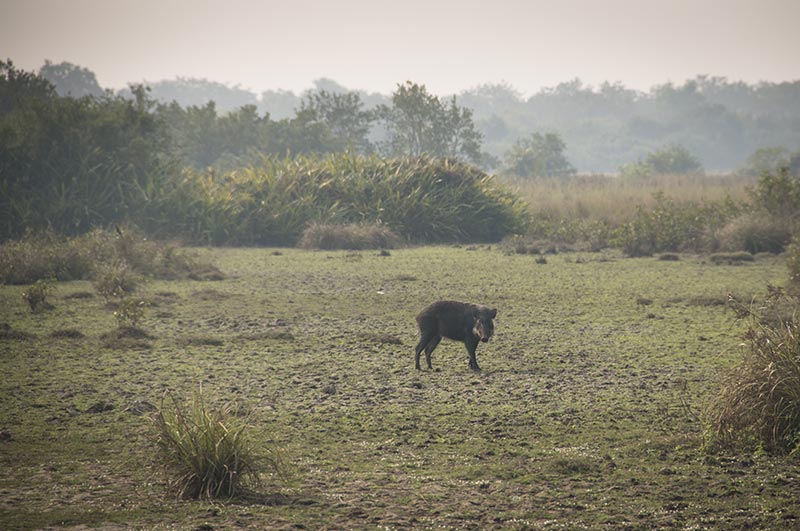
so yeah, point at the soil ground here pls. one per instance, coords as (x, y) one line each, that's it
(587, 414)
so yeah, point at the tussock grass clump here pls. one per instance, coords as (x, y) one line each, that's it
(758, 405)
(115, 281)
(42, 255)
(755, 233)
(208, 452)
(351, 236)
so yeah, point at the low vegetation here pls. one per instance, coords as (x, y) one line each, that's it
(587, 414)
(206, 451)
(759, 403)
(114, 259)
(353, 236)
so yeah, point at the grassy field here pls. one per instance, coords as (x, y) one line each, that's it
(615, 200)
(586, 414)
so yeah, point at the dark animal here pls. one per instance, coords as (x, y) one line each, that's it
(459, 321)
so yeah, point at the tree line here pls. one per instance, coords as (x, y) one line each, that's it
(720, 122)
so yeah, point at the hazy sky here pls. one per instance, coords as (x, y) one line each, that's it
(374, 44)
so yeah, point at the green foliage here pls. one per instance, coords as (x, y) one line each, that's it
(759, 403)
(42, 255)
(755, 232)
(130, 312)
(538, 155)
(764, 161)
(779, 195)
(115, 280)
(342, 115)
(207, 452)
(420, 199)
(97, 254)
(36, 295)
(420, 124)
(353, 236)
(669, 226)
(69, 164)
(71, 80)
(672, 159)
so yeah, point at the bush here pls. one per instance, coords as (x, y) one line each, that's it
(39, 256)
(758, 405)
(754, 233)
(36, 295)
(130, 312)
(421, 199)
(115, 281)
(47, 255)
(353, 236)
(779, 195)
(672, 227)
(206, 452)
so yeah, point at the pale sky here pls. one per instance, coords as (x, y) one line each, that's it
(449, 46)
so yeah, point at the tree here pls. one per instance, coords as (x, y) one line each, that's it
(672, 159)
(419, 123)
(764, 160)
(343, 115)
(71, 80)
(538, 155)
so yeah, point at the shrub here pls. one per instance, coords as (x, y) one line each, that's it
(353, 236)
(115, 281)
(671, 227)
(754, 233)
(36, 295)
(421, 199)
(130, 312)
(207, 452)
(779, 195)
(758, 405)
(42, 255)
(47, 255)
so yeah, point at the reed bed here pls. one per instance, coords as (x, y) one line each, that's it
(615, 200)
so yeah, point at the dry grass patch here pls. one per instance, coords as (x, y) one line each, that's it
(353, 236)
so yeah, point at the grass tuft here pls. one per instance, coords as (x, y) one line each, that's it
(208, 452)
(759, 403)
(352, 236)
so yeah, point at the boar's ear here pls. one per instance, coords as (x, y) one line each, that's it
(494, 313)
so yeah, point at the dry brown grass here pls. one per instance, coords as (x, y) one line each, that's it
(615, 200)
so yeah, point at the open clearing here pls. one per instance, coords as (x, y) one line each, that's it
(584, 417)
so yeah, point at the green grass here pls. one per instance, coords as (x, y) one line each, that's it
(584, 417)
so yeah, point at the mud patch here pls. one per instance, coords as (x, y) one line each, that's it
(8, 333)
(200, 341)
(126, 337)
(67, 333)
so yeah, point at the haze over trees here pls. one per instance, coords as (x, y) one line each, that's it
(719, 122)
